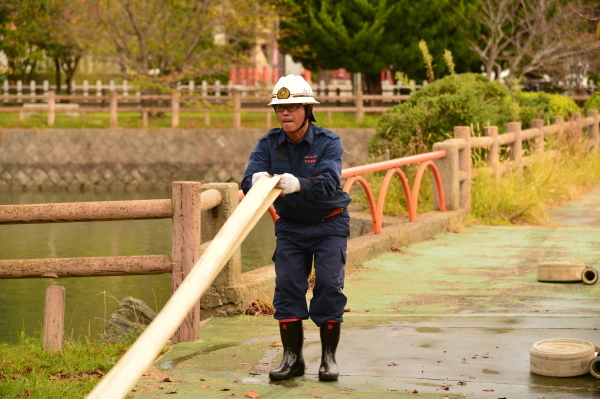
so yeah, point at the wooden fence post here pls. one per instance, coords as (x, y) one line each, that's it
(51, 108)
(449, 173)
(237, 109)
(538, 142)
(594, 130)
(231, 273)
(578, 123)
(516, 148)
(144, 118)
(493, 158)
(359, 106)
(464, 165)
(113, 109)
(54, 318)
(175, 108)
(186, 249)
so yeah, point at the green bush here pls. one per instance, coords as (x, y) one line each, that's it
(430, 115)
(545, 106)
(591, 103)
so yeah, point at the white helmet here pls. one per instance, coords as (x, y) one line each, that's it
(292, 89)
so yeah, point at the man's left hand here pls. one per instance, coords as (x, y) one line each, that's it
(288, 183)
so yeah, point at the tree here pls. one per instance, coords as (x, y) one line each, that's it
(367, 36)
(16, 33)
(523, 38)
(166, 40)
(38, 28)
(62, 33)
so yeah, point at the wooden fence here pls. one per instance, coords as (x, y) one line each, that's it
(513, 140)
(185, 208)
(50, 103)
(98, 89)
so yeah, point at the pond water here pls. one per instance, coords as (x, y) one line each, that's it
(91, 300)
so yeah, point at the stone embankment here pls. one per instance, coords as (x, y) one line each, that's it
(135, 159)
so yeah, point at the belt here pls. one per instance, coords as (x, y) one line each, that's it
(337, 211)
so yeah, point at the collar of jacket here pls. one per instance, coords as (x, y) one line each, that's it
(309, 136)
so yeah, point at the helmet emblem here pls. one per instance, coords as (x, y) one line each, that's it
(283, 93)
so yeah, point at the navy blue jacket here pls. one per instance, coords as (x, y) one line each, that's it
(317, 163)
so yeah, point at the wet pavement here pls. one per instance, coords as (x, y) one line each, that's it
(452, 317)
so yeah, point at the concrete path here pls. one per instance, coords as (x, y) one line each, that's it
(451, 317)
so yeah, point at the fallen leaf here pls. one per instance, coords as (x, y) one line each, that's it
(276, 344)
(225, 389)
(251, 394)
(415, 391)
(444, 388)
(170, 392)
(488, 390)
(346, 392)
(392, 364)
(167, 379)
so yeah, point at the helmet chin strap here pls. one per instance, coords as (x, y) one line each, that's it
(301, 126)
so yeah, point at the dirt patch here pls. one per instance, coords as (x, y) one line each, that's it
(152, 380)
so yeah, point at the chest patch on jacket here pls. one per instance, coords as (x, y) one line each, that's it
(280, 157)
(310, 159)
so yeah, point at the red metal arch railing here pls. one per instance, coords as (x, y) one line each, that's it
(354, 175)
(393, 168)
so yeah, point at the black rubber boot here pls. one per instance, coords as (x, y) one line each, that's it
(330, 337)
(292, 364)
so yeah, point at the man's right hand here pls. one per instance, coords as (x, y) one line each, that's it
(257, 176)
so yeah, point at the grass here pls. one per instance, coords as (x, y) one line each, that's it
(526, 198)
(220, 118)
(565, 171)
(26, 370)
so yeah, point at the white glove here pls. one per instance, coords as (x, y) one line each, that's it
(288, 183)
(257, 176)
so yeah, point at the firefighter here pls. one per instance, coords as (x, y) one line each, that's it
(312, 228)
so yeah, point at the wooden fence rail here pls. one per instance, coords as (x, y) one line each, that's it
(99, 88)
(184, 208)
(513, 140)
(50, 103)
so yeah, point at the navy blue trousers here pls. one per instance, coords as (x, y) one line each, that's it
(298, 246)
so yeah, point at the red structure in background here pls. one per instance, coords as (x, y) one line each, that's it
(269, 75)
(386, 76)
(254, 75)
(260, 75)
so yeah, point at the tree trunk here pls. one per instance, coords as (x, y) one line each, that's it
(57, 74)
(70, 67)
(373, 86)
